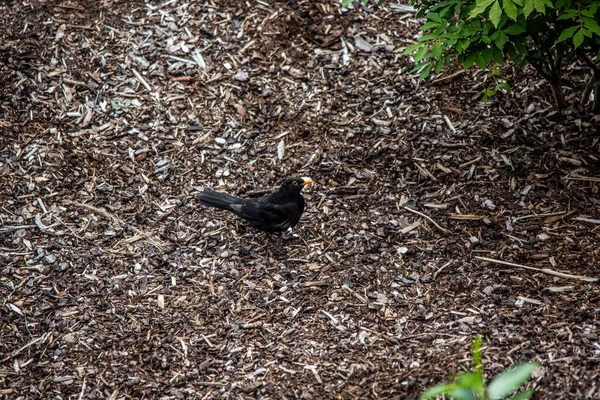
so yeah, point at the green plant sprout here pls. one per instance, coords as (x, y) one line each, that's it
(470, 385)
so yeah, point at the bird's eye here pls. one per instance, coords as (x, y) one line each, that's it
(295, 183)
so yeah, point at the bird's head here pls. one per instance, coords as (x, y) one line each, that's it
(295, 185)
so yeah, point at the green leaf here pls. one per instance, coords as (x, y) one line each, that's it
(463, 394)
(476, 352)
(495, 14)
(346, 2)
(501, 40)
(428, 25)
(425, 72)
(511, 50)
(521, 47)
(465, 44)
(567, 14)
(504, 86)
(591, 25)
(510, 9)
(498, 56)
(480, 7)
(515, 29)
(434, 17)
(419, 67)
(428, 37)
(480, 61)
(523, 396)
(486, 94)
(527, 8)
(436, 50)
(438, 66)
(410, 49)
(567, 34)
(488, 55)
(540, 6)
(505, 383)
(578, 38)
(471, 380)
(418, 56)
(470, 60)
(436, 390)
(587, 13)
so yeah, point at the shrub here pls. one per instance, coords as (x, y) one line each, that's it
(547, 35)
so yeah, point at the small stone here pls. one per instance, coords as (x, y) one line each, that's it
(489, 204)
(241, 76)
(543, 236)
(70, 338)
(363, 174)
(50, 259)
(362, 44)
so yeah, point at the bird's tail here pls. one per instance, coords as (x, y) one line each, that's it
(221, 200)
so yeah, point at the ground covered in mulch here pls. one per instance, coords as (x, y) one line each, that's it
(115, 284)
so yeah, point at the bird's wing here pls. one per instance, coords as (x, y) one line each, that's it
(266, 213)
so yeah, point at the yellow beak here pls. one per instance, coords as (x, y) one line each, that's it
(307, 181)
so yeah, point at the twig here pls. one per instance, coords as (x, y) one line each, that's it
(449, 123)
(353, 293)
(333, 319)
(380, 335)
(582, 178)
(34, 341)
(428, 218)
(4, 229)
(141, 79)
(425, 171)
(82, 390)
(436, 273)
(542, 215)
(117, 221)
(448, 77)
(42, 227)
(411, 227)
(473, 161)
(543, 270)
(590, 220)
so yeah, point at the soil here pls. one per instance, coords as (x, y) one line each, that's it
(433, 216)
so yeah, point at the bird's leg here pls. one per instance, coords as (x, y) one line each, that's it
(268, 247)
(289, 235)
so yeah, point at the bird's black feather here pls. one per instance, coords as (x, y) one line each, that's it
(275, 212)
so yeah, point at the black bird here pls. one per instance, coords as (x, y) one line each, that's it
(276, 212)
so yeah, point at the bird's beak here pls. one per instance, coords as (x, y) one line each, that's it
(307, 181)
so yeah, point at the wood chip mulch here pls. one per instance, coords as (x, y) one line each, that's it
(434, 216)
